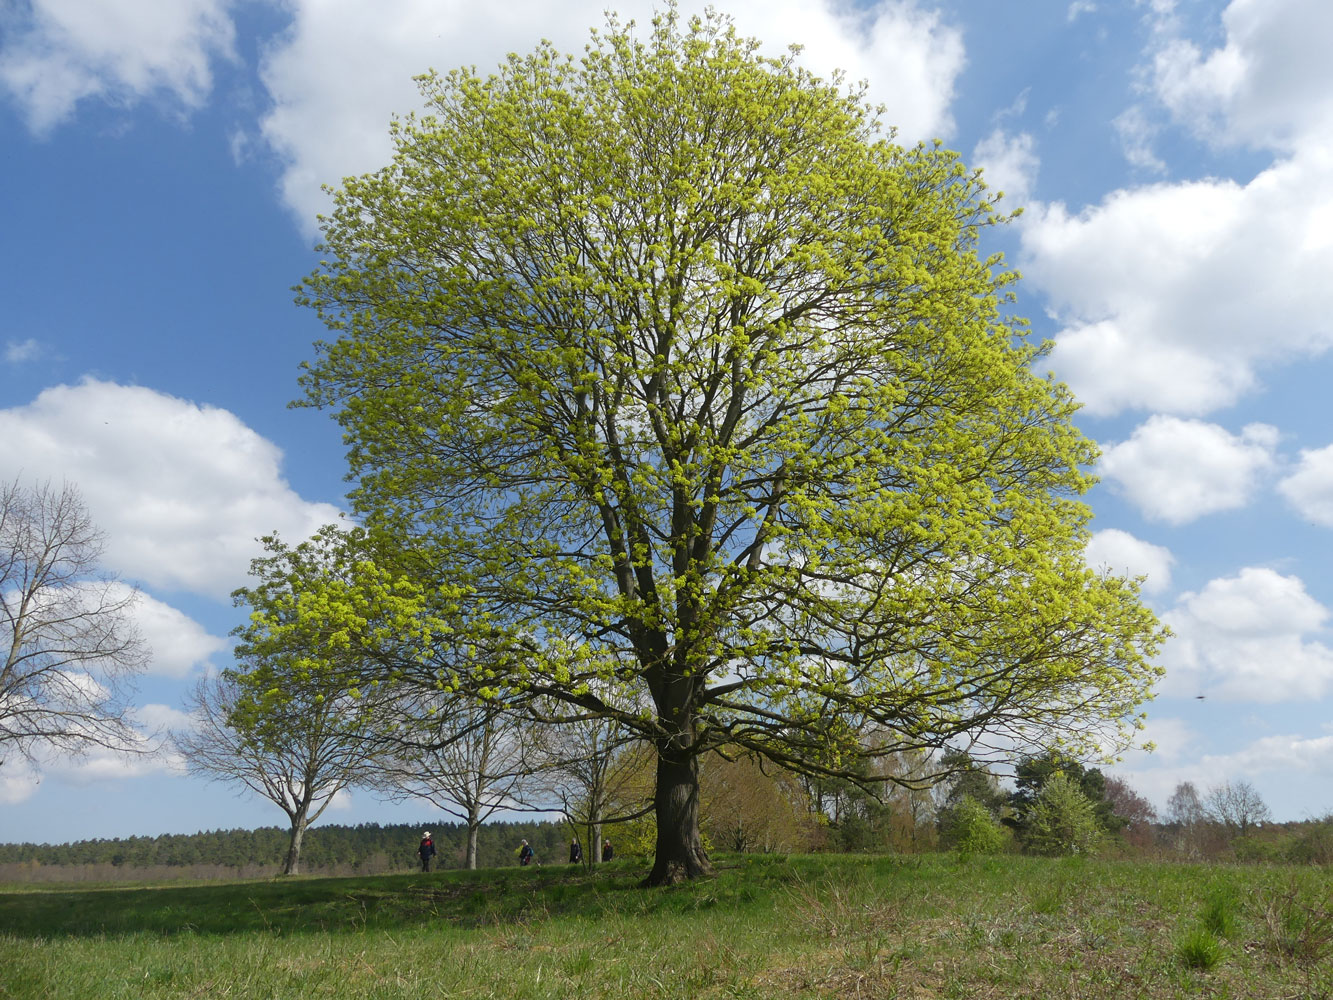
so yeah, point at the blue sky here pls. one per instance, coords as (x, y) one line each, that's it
(163, 165)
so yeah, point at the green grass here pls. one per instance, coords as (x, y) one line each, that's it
(765, 927)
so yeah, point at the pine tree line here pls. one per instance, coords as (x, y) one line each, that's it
(332, 848)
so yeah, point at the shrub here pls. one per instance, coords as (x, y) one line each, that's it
(1062, 820)
(974, 830)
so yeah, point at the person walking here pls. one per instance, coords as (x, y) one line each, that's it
(524, 854)
(575, 852)
(426, 851)
(608, 852)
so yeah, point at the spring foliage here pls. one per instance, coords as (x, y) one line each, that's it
(691, 390)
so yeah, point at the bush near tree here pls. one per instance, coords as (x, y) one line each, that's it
(973, 829)
(1062, 820)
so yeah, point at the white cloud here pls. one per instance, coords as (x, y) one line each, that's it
(18, 780)
(99, 765)
(1174, 742)
(181, 490)
(1137, 132)
(179, 644)
(1310, 488)
(17, 352)
(1177, 470)
(1269, 84)
(1124, 555)
(344, 68)
(1291, 758)
(1010, 164)
(1175, 297)
(1080, 7)
(64, 51)
(1251, 637)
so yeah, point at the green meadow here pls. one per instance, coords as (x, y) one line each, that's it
(765, 926)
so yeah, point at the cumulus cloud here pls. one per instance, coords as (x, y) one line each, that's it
(1121, 553)
(57, 53)
(1177, 470)
(344, 68)
(1310, 488)
(19, 781)
(20, 777)
(1174, 297)
(1010, 164)
(1250, 637)
(1269, 84)
(179, 644)
(1137, 130)
(181, 490)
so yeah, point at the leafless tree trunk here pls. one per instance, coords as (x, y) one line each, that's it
(1236, 805)
(465, 757)
(67, 632)
(299, 764)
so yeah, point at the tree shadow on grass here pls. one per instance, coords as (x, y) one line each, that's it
(300, 905)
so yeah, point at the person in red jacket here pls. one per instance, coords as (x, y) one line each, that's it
(426, 850)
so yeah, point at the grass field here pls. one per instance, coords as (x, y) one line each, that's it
(766, 926)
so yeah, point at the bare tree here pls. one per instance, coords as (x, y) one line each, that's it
(317, 748)
(593, 770)
(70, 641)
(469, 760)
(1184, 807)
(1237, 805)
(1184, 811)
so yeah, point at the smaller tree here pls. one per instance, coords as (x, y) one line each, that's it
(966, 780)
(298, 759)
(1032, 775)
(593, 770)
(69, 638)
(1184, 807)
(1237, 806)
(463, 756)
(974, 830)
(1187, 820)
(1062, 820)
(1135, 813)
(753, 807)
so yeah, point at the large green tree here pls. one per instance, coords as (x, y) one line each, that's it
(693, 389)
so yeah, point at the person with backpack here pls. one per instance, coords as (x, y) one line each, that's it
(525, 854)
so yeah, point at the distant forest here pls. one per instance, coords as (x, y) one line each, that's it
(367, 848)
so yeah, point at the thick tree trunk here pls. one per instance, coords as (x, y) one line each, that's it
(292, 865)
(680, 851)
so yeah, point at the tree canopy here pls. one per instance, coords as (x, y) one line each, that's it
(691, 390)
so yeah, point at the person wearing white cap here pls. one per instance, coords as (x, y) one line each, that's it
(426, 850)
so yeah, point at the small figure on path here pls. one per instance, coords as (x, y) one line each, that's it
(575, 852)
(608, 852)
(426, 850)
(524, 854)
